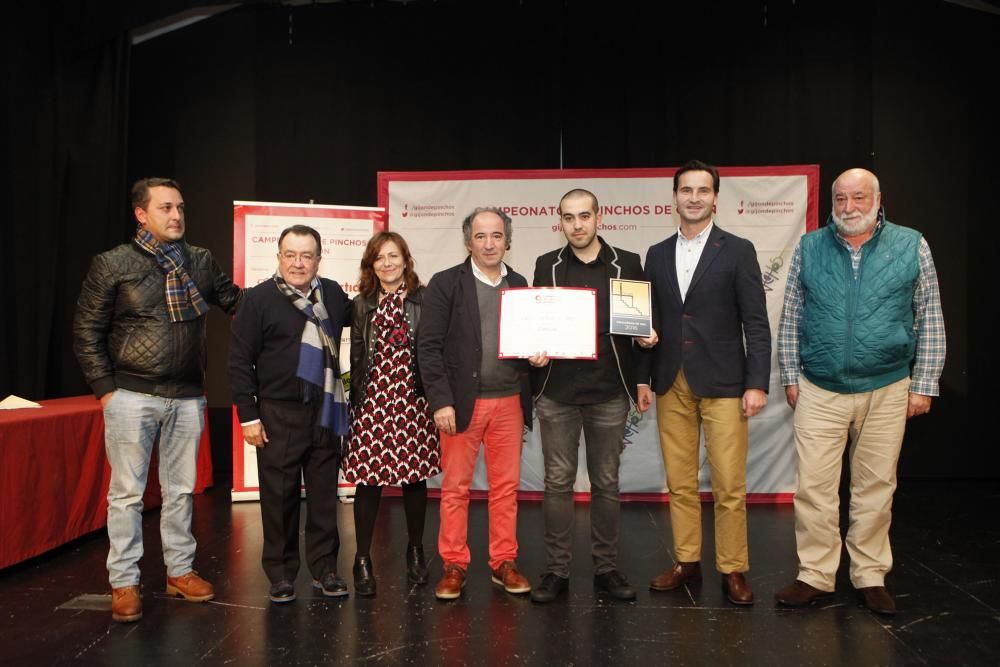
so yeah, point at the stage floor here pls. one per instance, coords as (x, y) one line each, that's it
(946, 539)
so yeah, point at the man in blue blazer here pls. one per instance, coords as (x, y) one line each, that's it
(710, 368)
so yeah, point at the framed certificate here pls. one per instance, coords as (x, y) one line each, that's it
(560, 321)
(631, 312)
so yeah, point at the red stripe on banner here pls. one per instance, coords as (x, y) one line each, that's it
(239, 249)
(812, 205)
(239, 483)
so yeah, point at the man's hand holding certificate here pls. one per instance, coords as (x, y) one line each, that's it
(559, 322)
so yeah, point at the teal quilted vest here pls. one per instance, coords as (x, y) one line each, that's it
(856, 333)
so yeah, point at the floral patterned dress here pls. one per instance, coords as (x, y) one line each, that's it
(392, 437)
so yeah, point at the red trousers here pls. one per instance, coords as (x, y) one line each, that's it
(498, 424)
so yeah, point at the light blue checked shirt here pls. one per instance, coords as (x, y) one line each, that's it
(928, 322)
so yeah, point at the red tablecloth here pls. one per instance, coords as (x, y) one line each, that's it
(54, 476)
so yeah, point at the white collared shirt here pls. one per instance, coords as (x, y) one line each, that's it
(482, 277)
(308, 293)
(687, 255)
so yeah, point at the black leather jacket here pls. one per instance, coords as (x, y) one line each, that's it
(362, 341)
(122, 333)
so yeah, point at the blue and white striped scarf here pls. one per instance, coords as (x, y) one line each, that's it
(318, 364)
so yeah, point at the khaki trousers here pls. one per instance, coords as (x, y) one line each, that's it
(824, 421)
(680, 414)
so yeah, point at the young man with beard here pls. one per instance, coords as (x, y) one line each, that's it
(589, 395)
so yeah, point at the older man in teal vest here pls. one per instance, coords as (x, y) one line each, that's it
(861, 346)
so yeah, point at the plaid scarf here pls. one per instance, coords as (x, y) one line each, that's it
(318, 365)
(184, 301)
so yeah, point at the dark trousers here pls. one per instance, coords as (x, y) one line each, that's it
(297, 449)
(603, 427)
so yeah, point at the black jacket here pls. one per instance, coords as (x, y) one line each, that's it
(450, 343)
(705, 332)
(267, 338)
(122, 333)
(362, 340)
(550, 271)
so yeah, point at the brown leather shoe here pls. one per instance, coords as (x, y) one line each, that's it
(191, 587)
(736, 588)
(512, 581)
(675, 577)
(878, 600)
(800, 594)
(451, 584)
(126, 604)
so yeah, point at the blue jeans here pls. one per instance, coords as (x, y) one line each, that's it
(133, 423)
(603, 426)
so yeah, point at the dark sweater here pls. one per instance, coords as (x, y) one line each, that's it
(497, 377)
(264, 350)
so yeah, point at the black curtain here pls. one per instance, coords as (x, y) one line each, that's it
(65, 116)
(281, 103)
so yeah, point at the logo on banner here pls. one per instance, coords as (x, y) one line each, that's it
(770, 207)
(771, 277)
(428, 211)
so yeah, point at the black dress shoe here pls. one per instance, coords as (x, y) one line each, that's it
(331, 585)
(281, 592)
(878, 600)
(614, 584)
(364, 576)
(552, 586)
(416, 565)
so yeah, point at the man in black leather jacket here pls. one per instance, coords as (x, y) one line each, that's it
(139, 336)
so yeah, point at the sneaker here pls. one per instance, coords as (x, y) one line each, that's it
(512, 581)
(451, 584)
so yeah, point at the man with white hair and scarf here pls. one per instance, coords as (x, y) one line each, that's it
(285, 378)
(861, 346)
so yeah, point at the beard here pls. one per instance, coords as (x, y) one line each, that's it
(855, 224)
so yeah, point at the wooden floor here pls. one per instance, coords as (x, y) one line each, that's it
(946, 539)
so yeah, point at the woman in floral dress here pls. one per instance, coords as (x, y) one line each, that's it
(392, 438)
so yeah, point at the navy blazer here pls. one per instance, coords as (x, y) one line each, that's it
(705, 333)
(450, 342)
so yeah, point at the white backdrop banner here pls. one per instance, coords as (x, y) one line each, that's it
(770, 206)
(344, 230)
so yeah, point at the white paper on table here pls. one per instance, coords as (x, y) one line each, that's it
(560, 321)
(13, 402)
